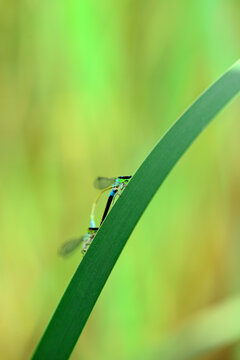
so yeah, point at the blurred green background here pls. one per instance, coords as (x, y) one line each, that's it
(87, 88)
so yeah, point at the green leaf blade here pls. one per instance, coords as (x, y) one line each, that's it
(79, 298)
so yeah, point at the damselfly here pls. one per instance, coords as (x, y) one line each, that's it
(116, 185)
(69, 246)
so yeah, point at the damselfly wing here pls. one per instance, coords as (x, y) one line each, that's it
(69, 246)
(104, 182)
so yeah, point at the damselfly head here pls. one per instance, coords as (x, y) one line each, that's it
(92, 230)
(123, 179)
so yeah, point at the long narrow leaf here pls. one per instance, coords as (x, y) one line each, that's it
(79, 298)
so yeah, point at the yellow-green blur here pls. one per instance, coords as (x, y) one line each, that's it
(87, 88)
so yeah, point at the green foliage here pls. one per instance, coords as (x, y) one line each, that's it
(91, 275)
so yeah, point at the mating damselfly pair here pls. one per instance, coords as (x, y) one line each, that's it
(116, 185)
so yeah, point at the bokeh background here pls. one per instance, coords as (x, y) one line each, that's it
(87, 88)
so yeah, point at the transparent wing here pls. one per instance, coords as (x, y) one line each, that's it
(103, 182)
(69, 246)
